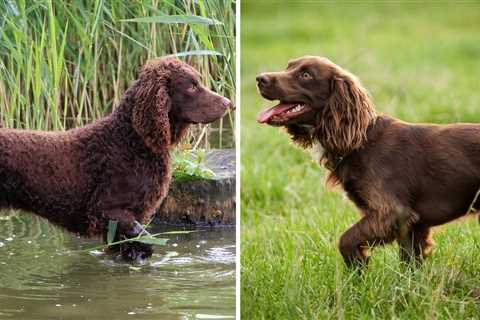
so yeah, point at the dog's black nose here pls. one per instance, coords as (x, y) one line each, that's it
(262, 79)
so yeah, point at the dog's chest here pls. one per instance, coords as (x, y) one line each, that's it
(317, 152)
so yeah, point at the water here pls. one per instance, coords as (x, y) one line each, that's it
(43, 275)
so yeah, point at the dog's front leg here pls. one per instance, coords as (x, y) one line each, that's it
(417, 244)
(128, 228)
(372, 230)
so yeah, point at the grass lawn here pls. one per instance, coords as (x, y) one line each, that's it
(421, 63)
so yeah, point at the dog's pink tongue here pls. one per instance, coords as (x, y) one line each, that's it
(267, 114)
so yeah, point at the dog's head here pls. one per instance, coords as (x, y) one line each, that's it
(167, 96)
(317, 100)
(192, 102)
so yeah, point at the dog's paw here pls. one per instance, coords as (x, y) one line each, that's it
(135, 251)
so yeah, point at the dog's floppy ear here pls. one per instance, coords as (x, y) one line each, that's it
(151, 108)
(347, 114)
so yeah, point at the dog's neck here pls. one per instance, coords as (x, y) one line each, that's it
(322, 157)
(178, 130)
(329, 158)
(123, 114)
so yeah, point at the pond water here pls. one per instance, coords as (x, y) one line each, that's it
(46, 273)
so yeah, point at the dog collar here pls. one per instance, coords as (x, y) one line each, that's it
(333, 161)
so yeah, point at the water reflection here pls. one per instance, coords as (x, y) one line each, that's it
(44, 275)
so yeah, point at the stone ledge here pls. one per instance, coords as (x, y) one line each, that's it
(205, 201)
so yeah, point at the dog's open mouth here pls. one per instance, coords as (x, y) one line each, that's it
(283, 113)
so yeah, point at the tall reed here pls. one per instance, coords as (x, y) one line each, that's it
(66, 63)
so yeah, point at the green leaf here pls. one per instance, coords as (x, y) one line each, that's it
(152, 240)
(112, 230)
(185, 19)
(188, 166)
(198, 53)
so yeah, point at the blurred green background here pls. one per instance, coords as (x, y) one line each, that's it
(421, 63)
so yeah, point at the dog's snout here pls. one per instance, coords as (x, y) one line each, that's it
(263, 79)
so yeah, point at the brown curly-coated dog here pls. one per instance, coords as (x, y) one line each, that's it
(117, 168)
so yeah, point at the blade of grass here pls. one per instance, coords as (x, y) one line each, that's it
(183, 19)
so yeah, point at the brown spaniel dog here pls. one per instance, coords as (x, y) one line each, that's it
(117, 168)
(404, 178)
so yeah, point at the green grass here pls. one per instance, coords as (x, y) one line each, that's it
(66, 63)
(421, 63)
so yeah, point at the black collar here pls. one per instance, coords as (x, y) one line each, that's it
(333, 161)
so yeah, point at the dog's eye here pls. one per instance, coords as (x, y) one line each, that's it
(306, 76)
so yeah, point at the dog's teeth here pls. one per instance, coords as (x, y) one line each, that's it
(296, 108)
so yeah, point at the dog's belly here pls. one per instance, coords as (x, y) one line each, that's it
(432, 219)
(28, 182)
(66, 210)
(438, 211)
